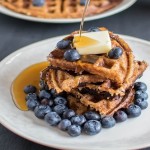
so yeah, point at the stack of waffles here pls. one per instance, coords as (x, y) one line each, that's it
(59, 8)
(95, 82)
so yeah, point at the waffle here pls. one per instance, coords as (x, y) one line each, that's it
(66, 81)
(78, 98)
(128, 70)
(101, 65)
(82, 103)
(76, 105)
(95, 82)
(59, 8)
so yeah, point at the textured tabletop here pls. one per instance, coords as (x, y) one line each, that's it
(15, 33)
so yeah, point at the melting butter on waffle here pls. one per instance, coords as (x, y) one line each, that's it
(92, 43)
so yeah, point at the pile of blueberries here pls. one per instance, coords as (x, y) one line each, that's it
(53, 109)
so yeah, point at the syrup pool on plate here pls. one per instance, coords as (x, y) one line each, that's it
(29, 76)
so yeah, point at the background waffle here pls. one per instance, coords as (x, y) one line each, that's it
(59, 8)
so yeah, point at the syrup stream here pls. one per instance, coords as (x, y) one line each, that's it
(83, 17)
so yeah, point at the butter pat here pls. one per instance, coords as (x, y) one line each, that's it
(92, 43)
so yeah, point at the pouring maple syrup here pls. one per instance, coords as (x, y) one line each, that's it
(80, 40)
(83, 17)
(29, 76)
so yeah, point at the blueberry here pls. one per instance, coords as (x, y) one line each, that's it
(82, 2)
(93, 29)
(52, 118)
(133, 111)
(63, 44)
(32, 96)
(108, 122)
(91, 115)
(115, 53)
(143, 104)
(44, 101)
(60, 109)
(44, 94)
(141, 94)
(64, 124)
(53, 93)
(140, 86)
(29, 89)
(38, 2)
(120, 116)
(60, 100)
(43, 85)
(31, 104)
(72, 55)
(51, 102)
(74, 130)
(92, 127)
(78, 120)
(68, 114)
(41, 110)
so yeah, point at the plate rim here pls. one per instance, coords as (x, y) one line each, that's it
(20, 133)
(110, 12)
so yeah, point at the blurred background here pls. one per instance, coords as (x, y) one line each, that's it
(15, 33)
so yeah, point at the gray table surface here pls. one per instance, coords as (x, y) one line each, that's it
(15, 33)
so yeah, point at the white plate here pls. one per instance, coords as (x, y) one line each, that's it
(122, 6)
(132, 134)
